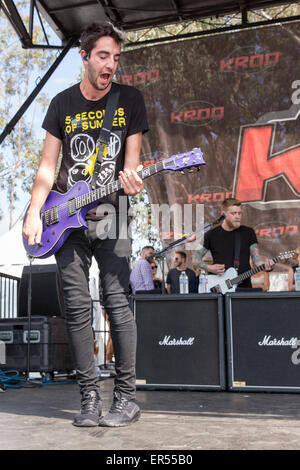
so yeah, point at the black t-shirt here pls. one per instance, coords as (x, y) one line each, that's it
(221, 244)
(173, 278)
(77, 122)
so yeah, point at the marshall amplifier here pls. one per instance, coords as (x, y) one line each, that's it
(180, 343)
(263, 341)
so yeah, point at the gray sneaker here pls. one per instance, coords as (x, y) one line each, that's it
(122, 412)
(91, 408)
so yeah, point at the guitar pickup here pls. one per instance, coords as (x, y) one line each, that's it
(216, 289)
(71, 206)
(54, 219)
(51, 216)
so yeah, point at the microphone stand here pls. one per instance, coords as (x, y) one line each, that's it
(28, 382)
(162, 253)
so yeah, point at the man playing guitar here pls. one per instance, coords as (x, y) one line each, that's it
(222, 243)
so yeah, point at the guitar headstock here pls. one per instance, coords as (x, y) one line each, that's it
(182, 161)
(287, 255)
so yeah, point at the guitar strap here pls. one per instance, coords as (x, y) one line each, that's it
(237, 249)
(103, 139)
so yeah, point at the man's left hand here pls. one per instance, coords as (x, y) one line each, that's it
(131, 183)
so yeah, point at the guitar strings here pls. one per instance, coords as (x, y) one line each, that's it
(144, 173)
(107, 190)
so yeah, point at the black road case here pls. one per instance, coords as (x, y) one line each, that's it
(49, 345)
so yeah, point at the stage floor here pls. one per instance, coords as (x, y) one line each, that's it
(40, 419)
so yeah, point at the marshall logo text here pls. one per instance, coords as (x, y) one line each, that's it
(167, 341)
(269, 341)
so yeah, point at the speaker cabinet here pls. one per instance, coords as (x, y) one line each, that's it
(263, 332)
(180, 343)
(45, 297)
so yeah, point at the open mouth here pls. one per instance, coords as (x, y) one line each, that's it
(105, 76)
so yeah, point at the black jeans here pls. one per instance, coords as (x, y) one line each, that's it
(74, 260)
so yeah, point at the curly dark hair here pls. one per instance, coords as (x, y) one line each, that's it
(96, 30)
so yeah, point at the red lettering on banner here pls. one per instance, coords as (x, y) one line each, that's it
(246, 62)
(217, 197)
(253, 62)
(139, 78)
(204, 114)
(257, 166)
(205, 198)
(126, 79)
(192, 198)
(153, 75)
(241, 62)
(266, 232)
(226, 65)
(276, 232)
(176, 117)
(217, 113)
(189, 115)
(272, 58)
(201, 114)
(209, 197)
(292, 229)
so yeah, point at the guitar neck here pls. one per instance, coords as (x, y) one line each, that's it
(250, 273)
(97, 194)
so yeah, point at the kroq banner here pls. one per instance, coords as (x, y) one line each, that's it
(237, 97)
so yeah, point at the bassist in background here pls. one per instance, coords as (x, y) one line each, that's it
(73, 123)
(221, 242)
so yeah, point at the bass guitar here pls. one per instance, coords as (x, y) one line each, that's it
(63, 213)
(229, 281)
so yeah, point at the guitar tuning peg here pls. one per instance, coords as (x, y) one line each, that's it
(191, 170)
(198, 168)
(182, 172)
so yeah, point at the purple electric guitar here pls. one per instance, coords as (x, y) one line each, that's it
(63, 213)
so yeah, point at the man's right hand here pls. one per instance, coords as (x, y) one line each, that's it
(32, 228)
(217, 269)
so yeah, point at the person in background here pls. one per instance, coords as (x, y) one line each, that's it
(141, 278)
(220, 241)
(156, 280)
(174, 274)
(260, 280)
(291, 272)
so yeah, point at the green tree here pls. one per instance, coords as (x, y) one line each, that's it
(144, 232)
